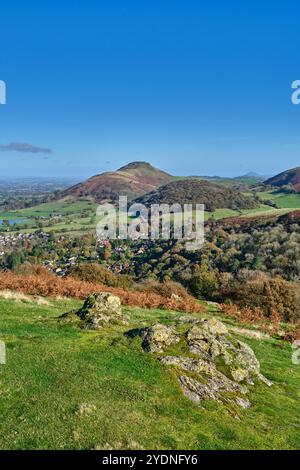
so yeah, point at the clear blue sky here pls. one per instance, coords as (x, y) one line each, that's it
(194, 87)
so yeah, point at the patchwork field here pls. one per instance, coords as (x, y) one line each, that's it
(79, 215)
(53, 216)
(65, 388)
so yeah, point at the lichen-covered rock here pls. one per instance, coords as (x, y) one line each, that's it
(245, 357)
(220, 368)
(198, 392)
(208, 372)
(214, 327)
(99, 310)
(157, 337)
(239, 375)
(210, 340)
(195, 390)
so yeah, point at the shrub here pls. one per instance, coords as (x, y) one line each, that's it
(269, 294)
(36, 269)
(167, 289)
(92, 272)
(203, 283)
(256, 316)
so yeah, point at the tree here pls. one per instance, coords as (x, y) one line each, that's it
(203, 283)
(14, 260)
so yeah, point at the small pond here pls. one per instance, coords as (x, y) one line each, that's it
(12, 221)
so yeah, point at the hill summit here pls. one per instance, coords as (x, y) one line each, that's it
(286, 178)
(132, 180)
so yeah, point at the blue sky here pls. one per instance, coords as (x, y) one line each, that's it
(193, 87)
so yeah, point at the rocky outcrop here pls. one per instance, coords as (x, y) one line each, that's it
(157, 337)
(99, 310)
(213, 364)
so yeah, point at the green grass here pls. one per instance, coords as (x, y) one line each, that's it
(289, 200)
(52, 369)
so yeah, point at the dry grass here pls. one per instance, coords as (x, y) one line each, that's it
(20, 297)
(272, 325)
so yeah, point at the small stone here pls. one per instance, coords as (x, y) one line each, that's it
(263, 379)
(2, 353)
(243, 403)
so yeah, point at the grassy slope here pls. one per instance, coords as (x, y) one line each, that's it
(51, 370)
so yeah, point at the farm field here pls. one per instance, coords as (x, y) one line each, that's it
(79, 215)
(282, 200)
(57, 216)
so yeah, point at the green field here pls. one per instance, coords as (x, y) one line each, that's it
(281, 200)
(51, 208)
(79, 215)
(56, 216)
(52, 370)
(258, 211)
(285, 203)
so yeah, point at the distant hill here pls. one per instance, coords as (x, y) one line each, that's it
(196, 191)
(251, 174)
(286, 178)
(133, 180)
(241, 183)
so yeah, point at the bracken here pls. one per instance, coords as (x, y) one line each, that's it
(50, 285)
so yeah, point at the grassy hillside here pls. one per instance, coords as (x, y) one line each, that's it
(64, 388)
(286, 178)
(132, 180)
(196, 191)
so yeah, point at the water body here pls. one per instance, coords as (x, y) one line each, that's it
(12, 221)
